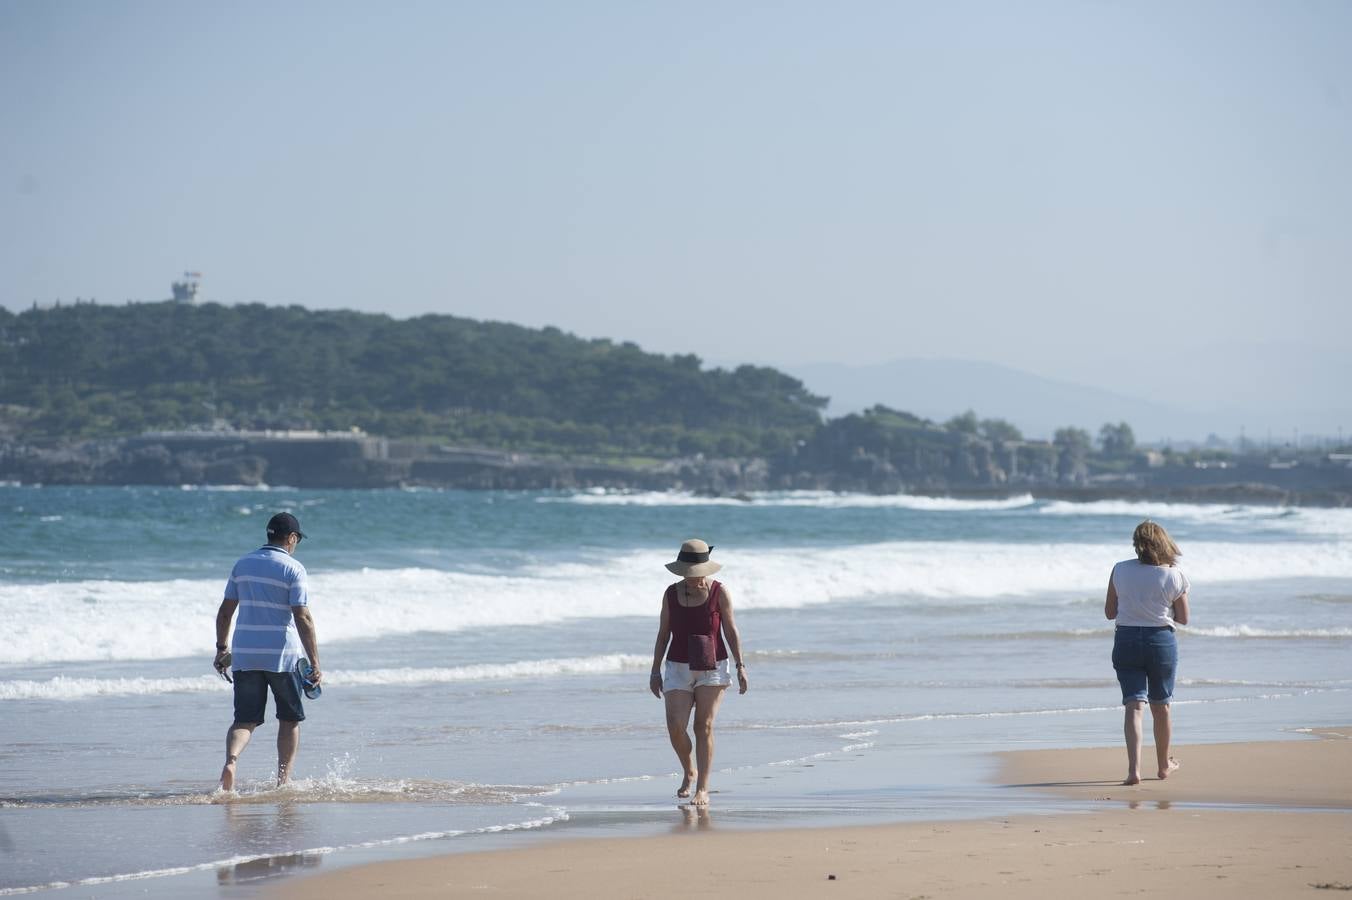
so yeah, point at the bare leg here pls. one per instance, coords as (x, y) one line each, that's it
(707, 700)
(679, 704)
(288, 742)
(1164, 733)
(1132, 730)
(236, 739)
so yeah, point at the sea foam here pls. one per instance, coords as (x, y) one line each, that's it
(800, 499)
(1302, 520)
(125, 620)
(67, 688)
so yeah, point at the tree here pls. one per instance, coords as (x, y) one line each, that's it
(1117, 441)
(1000, 431)
(1075, 440)
(1074, 445)
(963, 424)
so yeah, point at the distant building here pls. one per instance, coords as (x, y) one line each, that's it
(185, 291)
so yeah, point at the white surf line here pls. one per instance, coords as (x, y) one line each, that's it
(62, 687)
(924, 717)
(848, 748)
(935, 717)
(556, 814)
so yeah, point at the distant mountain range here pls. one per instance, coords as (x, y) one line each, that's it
(941, 388)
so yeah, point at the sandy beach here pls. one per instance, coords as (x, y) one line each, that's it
(1270, 819)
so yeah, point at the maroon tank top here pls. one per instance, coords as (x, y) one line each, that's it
(687, 620)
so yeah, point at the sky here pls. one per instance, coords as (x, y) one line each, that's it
(1151, 197)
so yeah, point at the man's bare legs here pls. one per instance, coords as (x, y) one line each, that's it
(707, 699)
(1164, 733)
(288, 742)
(236, 739)
(679, 704)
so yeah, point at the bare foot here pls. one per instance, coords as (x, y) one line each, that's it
(1132, 779)
(699, 801)
(1173, 767)
(684, 789)
(227, 773)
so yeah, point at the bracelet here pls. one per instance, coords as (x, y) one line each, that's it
(741, 665)
(221, 647)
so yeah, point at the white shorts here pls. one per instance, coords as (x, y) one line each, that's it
(678, 677)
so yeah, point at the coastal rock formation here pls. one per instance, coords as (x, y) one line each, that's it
(937, 465)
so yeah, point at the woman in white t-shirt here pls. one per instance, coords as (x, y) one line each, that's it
(1147, 596)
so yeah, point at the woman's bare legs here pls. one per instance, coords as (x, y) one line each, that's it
(1164, 733)
(707, 699)
(1131, 729)
(679, 704)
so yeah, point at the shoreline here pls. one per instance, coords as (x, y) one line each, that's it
(1230, 494)
(1255, 819)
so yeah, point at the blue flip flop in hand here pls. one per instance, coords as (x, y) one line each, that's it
(305, 672)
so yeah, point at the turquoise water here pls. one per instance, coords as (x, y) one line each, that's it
(487, 657)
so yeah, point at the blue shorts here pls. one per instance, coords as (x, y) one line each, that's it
(1145, 660)
(251, 696)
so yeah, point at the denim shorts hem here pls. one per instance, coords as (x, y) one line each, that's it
(1144, 699)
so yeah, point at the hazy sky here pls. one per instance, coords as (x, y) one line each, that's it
(1076, 189)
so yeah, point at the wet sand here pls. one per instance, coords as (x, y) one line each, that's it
(1269, 819)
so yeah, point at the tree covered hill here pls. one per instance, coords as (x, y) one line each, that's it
(88, 370)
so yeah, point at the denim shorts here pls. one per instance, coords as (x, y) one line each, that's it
(1145, 660)
(678, 676)
(251, 696)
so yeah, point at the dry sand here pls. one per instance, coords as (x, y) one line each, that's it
(1135, 841)
(1307, 773)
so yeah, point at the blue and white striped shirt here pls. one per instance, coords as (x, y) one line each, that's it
(267, 583)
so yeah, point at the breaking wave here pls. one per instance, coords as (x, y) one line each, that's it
(124, 620)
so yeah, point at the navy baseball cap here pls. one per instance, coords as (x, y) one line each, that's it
(282, 524)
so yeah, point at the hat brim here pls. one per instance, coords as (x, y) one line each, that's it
(693, 570)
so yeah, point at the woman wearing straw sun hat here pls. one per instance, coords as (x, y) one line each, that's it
(696, 617)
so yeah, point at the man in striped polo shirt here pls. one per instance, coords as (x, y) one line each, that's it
(274, 631)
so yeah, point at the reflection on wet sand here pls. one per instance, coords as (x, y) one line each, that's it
(1158, 804)
(694, 818)
(250, 824)
(266, 867)
(251, 828)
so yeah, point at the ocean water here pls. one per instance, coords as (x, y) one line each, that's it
(486, 659)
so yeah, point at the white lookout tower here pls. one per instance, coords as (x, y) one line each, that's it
(185, 291)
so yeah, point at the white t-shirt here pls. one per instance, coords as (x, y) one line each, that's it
(1145, 593)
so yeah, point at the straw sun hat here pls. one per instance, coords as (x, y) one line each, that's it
(693, 560)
